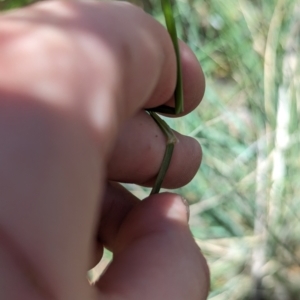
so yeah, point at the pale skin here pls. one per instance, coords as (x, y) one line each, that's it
(75, 79)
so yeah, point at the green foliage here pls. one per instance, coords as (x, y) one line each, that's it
(9, 4)
(245, 198)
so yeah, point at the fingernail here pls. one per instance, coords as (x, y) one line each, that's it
(187, 207)
(177, 208)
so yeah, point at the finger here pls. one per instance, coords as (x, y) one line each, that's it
(193, 82)
(139, 151)
(154, 248)
(117, 203)
(98, 61)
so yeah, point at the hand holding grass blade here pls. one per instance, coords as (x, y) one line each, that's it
(178, 95)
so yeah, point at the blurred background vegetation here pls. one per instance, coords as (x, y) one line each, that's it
(245, 199)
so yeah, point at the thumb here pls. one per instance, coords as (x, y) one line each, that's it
(155, 256)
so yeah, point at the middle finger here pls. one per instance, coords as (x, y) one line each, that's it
(139, 150)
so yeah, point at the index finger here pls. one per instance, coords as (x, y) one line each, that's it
(102, 61)
(193, 82)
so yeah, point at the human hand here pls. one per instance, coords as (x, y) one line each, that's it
(75, 78)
